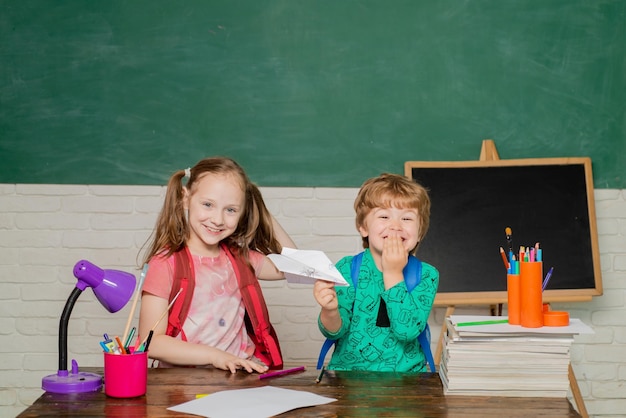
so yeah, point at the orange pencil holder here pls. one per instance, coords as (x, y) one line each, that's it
(514, 298)
(531, 301)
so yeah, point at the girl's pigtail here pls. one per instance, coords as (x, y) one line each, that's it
(171, 230)
(263, 237)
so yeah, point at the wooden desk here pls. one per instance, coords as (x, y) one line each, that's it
(357, 394)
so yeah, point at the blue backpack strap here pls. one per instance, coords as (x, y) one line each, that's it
(327, 344)
(412, 273)
(355, 266)
(424, 340)
(412, 277)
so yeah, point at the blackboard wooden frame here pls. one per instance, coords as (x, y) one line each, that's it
(561, 186)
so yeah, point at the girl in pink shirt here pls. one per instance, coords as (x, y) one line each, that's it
(217, 205)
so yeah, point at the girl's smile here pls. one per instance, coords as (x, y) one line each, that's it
(214, 207)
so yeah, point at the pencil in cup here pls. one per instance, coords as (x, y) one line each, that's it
(135, 299)
(146, 342)
(513, 298)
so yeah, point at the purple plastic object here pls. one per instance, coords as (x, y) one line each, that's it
(113, 288)
(75, 381)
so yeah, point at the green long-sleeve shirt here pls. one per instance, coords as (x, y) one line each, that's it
(391, 345)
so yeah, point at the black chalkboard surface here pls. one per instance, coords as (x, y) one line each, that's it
(549, 201)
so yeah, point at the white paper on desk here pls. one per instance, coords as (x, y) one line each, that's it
(260, 402)
(306, 266)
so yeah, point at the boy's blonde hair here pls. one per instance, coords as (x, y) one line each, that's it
(393, 190)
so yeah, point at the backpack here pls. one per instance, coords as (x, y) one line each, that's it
(257, 321)
(412, 276)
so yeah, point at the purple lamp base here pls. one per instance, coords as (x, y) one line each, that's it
(74, 382)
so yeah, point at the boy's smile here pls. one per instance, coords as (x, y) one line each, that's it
(384, 223)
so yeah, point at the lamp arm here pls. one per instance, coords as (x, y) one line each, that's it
(63, 323)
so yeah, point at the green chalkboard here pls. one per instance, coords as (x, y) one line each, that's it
(305, 93)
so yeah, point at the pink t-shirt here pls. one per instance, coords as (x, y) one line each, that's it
(216, 314)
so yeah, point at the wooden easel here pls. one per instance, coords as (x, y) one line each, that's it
(488, 152)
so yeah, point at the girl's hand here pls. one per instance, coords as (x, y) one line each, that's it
(325, 294)
(227, 361)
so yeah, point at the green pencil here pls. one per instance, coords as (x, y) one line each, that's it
(495, 321)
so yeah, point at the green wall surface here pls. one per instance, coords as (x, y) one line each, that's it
(306, 93)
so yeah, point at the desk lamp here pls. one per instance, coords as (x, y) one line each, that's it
(113, 288)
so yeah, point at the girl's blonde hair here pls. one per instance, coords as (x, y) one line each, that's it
(254, 231)
(393, 190)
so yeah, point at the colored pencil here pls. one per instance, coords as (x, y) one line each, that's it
(282, 372)
(495, 321)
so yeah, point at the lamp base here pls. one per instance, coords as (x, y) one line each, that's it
(74, 382)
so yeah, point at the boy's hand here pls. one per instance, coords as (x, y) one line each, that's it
(325, 294)
(394, 259)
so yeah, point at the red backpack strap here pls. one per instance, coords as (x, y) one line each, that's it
(184, 278)
(260, 330)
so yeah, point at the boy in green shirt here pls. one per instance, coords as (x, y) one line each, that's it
(376, 327)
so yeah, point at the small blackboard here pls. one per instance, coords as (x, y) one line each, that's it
(549, 201)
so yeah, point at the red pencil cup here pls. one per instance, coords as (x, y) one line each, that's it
(513, 296)
(531, 301)
(125, 375)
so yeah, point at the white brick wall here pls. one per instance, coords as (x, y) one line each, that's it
(46, 229)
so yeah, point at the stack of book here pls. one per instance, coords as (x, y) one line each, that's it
(487, 356)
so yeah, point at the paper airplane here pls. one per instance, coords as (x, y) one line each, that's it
(306, 266)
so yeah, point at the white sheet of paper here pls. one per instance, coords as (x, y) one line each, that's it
(260, 402)
(306, 266)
